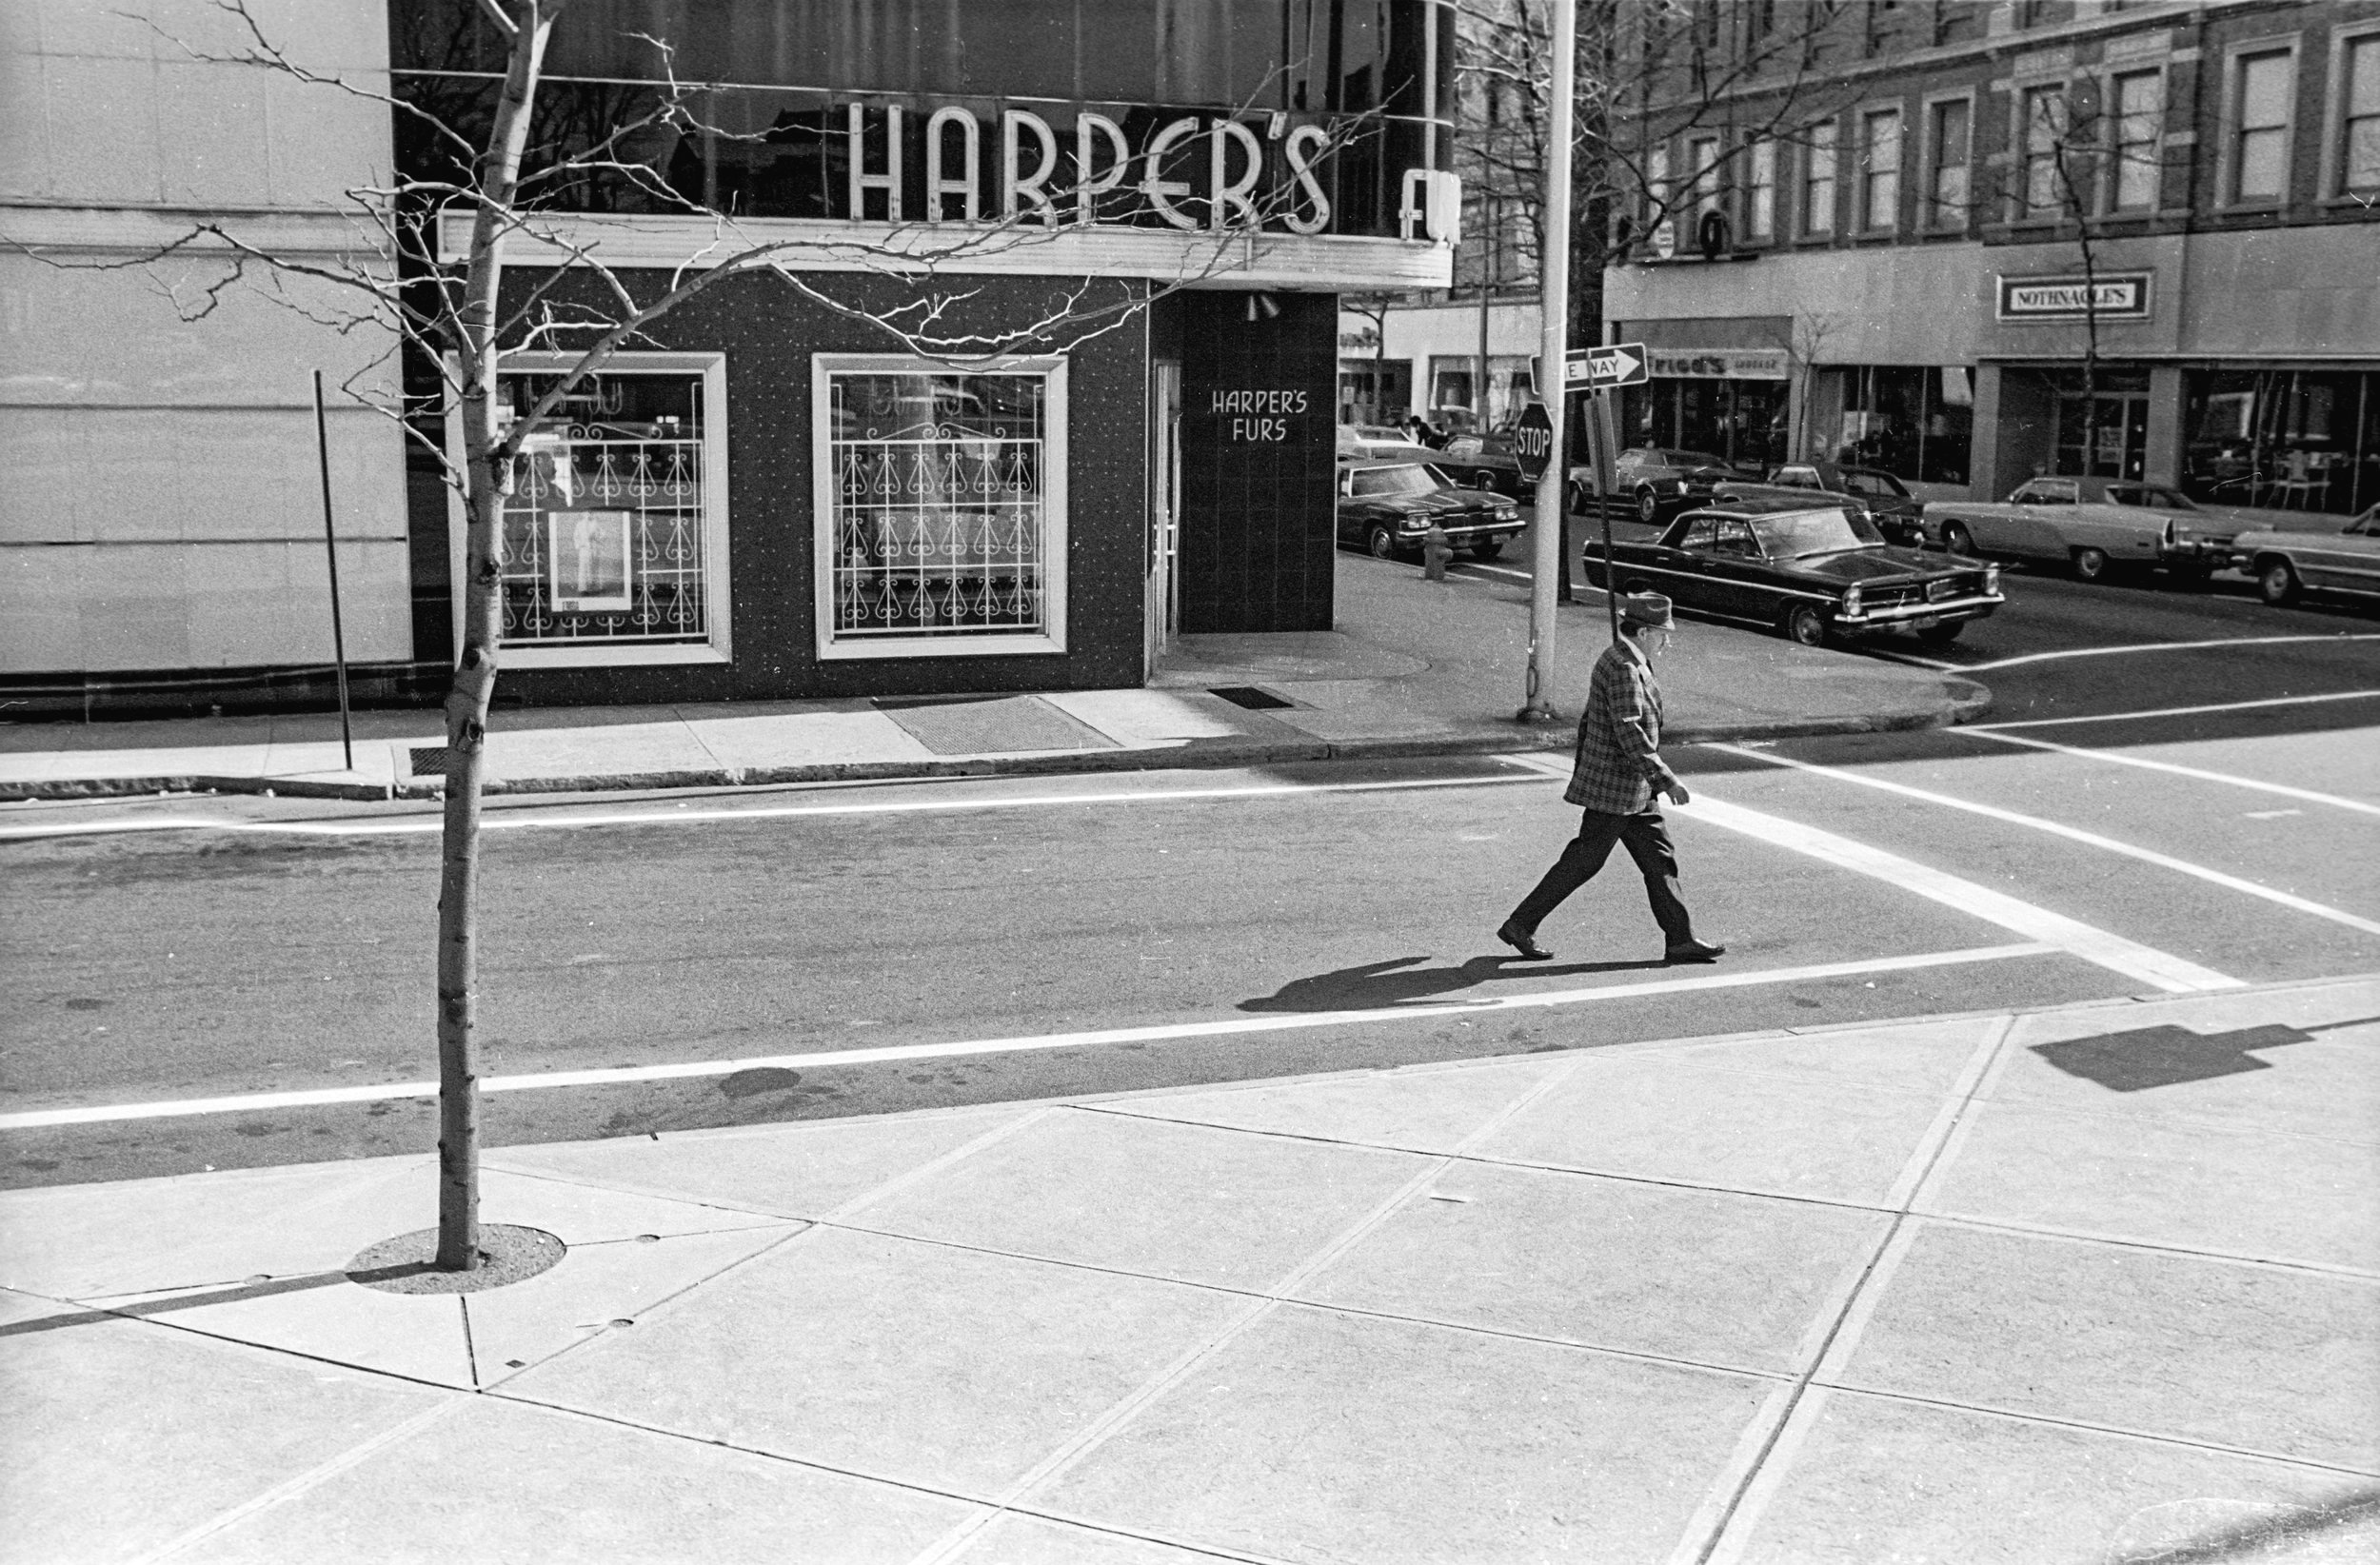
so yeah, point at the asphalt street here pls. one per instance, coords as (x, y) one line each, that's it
(661, 962)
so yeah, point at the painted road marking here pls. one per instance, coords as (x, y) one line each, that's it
(2072, 936)
(2162, 646)
(2179, 711)
(2272, 815)
(2178, 771)
(2075, 834)
(1486, 1005)
(519, 818)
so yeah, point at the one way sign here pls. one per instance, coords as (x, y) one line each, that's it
(1601, 368)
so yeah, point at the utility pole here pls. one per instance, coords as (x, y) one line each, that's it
(1547, 567)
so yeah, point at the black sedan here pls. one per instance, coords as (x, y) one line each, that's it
(1389, 509)
(1483, 461)
(1810, 573)
(1869, 491)
(1656, 480)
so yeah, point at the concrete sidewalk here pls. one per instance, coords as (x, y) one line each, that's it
(1419, 668)
(2091, 1284)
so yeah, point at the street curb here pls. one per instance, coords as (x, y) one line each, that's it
(1197, 755)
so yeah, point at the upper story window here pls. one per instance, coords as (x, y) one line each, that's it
(2359, 127)
(940, 508)
(1760, 189)
(1817, 181)
(2139, 103)
(1702, 164)
(2042, 190)
(2261, 90)
(1953, 150)
(1880, 168)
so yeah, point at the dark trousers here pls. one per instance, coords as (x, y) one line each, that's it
(1647, 842)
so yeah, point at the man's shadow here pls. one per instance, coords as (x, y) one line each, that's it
(1379, 985)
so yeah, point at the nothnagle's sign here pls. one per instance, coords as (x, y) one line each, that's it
(2110, 296)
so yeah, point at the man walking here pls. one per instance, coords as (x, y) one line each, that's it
(1614, 779)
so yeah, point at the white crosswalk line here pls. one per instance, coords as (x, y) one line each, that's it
(2090, 944)
(2074, 834)
(320, 1097)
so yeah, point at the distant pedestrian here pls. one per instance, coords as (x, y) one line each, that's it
(1615, 778)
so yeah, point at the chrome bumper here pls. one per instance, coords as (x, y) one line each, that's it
(1973, 607)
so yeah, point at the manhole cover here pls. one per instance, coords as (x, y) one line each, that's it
(408, 1264)
(1251, 698)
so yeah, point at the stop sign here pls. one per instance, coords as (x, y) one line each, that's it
(1533, 441)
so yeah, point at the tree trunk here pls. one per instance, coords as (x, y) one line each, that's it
(487, 478)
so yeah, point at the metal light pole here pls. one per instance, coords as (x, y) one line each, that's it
(1547, 568)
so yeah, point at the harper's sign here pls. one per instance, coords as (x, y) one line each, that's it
(1725, 363)
(1192, 172)
(2110, 296)
(1257, 415)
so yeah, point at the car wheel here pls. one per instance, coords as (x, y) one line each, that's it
(1957, 540)
(1943, 634)
(1487, 551)
(2276, 579)
(1484, 480)
(1383, 543)
(2091, 565)
(1648, 507)
(1803, 625)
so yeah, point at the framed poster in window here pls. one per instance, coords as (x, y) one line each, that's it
(589, 555)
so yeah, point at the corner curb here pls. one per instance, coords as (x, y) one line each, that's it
(1963, 702)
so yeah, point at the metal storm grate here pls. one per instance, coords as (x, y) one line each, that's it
(427, 759)
(1250, 697)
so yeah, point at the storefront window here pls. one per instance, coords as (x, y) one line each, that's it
(941, 508)
(1744, 422)
(1914, 421)
(614, 533)
(2288, 439)
(2103, 426)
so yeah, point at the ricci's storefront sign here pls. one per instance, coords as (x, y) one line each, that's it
(1188, 171)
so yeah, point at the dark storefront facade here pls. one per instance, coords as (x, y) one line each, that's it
(771, 497)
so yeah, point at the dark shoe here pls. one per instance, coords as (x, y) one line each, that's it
(1512, 935)
(1694, 951)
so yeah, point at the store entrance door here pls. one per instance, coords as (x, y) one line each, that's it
(1164, 592)
(2113, 442)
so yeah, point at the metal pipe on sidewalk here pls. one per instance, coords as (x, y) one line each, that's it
(331, 548)
(1553, 342)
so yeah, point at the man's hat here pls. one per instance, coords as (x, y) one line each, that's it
(1647, 610)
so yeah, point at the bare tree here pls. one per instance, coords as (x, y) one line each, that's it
(519, 170)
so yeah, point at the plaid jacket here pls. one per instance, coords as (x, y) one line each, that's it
(1618, 766)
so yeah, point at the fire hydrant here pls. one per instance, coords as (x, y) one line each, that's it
(1436, 551)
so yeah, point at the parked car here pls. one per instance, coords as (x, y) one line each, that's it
(1869, 491)
(1483, 461)
(2096, 526)
(2311, 558)
(1658, 480)
(1809, 572)
(1389, 507)
(1366, 440)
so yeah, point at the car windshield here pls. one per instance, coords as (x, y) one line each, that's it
(1805, 533)
(2150, 496)
(1693, 459)
(1874, 484)
(1409, 478)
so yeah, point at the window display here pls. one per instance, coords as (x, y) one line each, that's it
(2285, 439)
(940, 518)
(609, 531)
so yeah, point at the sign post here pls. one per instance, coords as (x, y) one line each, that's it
(1600, 371)
(1553, 276)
